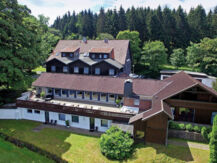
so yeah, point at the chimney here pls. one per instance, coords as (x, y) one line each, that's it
(128, 88)
(105, 40)
(84, 40)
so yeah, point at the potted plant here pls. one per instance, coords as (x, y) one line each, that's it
(67, 123)
(118, 102)
(42, 94)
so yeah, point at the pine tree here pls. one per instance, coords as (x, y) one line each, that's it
(122, 19)
(100, 27)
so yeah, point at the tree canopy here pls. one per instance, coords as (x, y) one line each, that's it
(177, 58)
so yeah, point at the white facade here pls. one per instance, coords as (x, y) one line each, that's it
(39, 115)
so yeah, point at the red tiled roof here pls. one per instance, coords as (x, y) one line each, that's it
(120, 47)
(69, 49)
(176, 84)
(100, 50)
(97, 83)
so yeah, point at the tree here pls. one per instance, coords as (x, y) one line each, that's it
(133, 36)
(100, 26)
(154, 54)
(213, 143)
(116, 144)
(20, 44)
(103, 36)
(122, 19)
(177, 58)
(203, 56)
(72, 36)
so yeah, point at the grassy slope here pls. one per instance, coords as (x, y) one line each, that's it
(40, 68)
(80, 148)
(170, 67)
(10, 153)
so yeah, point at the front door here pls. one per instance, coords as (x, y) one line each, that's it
(92, 124)
(46, 116)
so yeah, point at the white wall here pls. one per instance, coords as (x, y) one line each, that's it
(22, 113)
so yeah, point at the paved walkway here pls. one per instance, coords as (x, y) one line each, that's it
(70, 129)
(189, 144)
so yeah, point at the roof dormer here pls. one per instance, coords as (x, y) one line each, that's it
(70, 52)
(101, 53)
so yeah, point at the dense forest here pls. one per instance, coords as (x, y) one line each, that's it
(157, 38)
(174, 27)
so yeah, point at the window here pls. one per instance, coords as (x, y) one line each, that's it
(112, 97)
(95, 96)
(29, 111)
(104, 123)
(71, 55)
(100, 56)
(53, 68)
(111, 72)
(103, 97)
(79, 94)
(64, 92)
(105, 56)
(65, 69)
(93, 56)
(86, 70)
(97, 71)
(76, 69)
(63, 54)
(57, 92)
(87, 95)
(37, 111)
(72, 93)
(49, 91)
(75, 118)
(136, 102)
(62, 117)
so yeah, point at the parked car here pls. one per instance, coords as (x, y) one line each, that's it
(48, 97)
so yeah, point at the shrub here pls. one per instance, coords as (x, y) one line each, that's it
(206, 133)
(116, 144)
(197, 129)
(181, 126)
(189, 127)
(173, 125)
(67, 122)
(213, 143)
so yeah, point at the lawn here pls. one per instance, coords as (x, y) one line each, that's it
(81, 148)
(10, 153)
(39, 69)
(171, 67)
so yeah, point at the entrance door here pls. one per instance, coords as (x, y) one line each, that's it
(92, 124)
(47, 116)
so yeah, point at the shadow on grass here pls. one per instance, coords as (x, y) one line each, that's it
(169, 152)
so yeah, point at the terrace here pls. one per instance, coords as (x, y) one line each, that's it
(85, 108)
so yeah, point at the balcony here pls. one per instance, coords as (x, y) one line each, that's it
(29, 100)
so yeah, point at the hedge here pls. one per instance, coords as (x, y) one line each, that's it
(213, 143)
(32, 147)
(205, 131)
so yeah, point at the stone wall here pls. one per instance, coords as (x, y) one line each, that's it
(185, 135)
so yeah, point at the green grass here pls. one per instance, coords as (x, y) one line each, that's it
(80, 148)
(10, 153)
(170, 67)
(40, 68)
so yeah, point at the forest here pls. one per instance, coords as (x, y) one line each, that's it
(157, 37)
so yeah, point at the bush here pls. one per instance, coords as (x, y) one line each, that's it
(206, 133)
(67, 122)
(181, 126)
(173, 125)
(197, 129)
(213, 143)
(189, 127)
(116, 144)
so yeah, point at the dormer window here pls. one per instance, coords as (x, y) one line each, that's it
(53, 68)
(105, 56)
(93, 56)
(63, 54)
(100, 56)
(65, 69)
(71, 55)
(86, 70)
